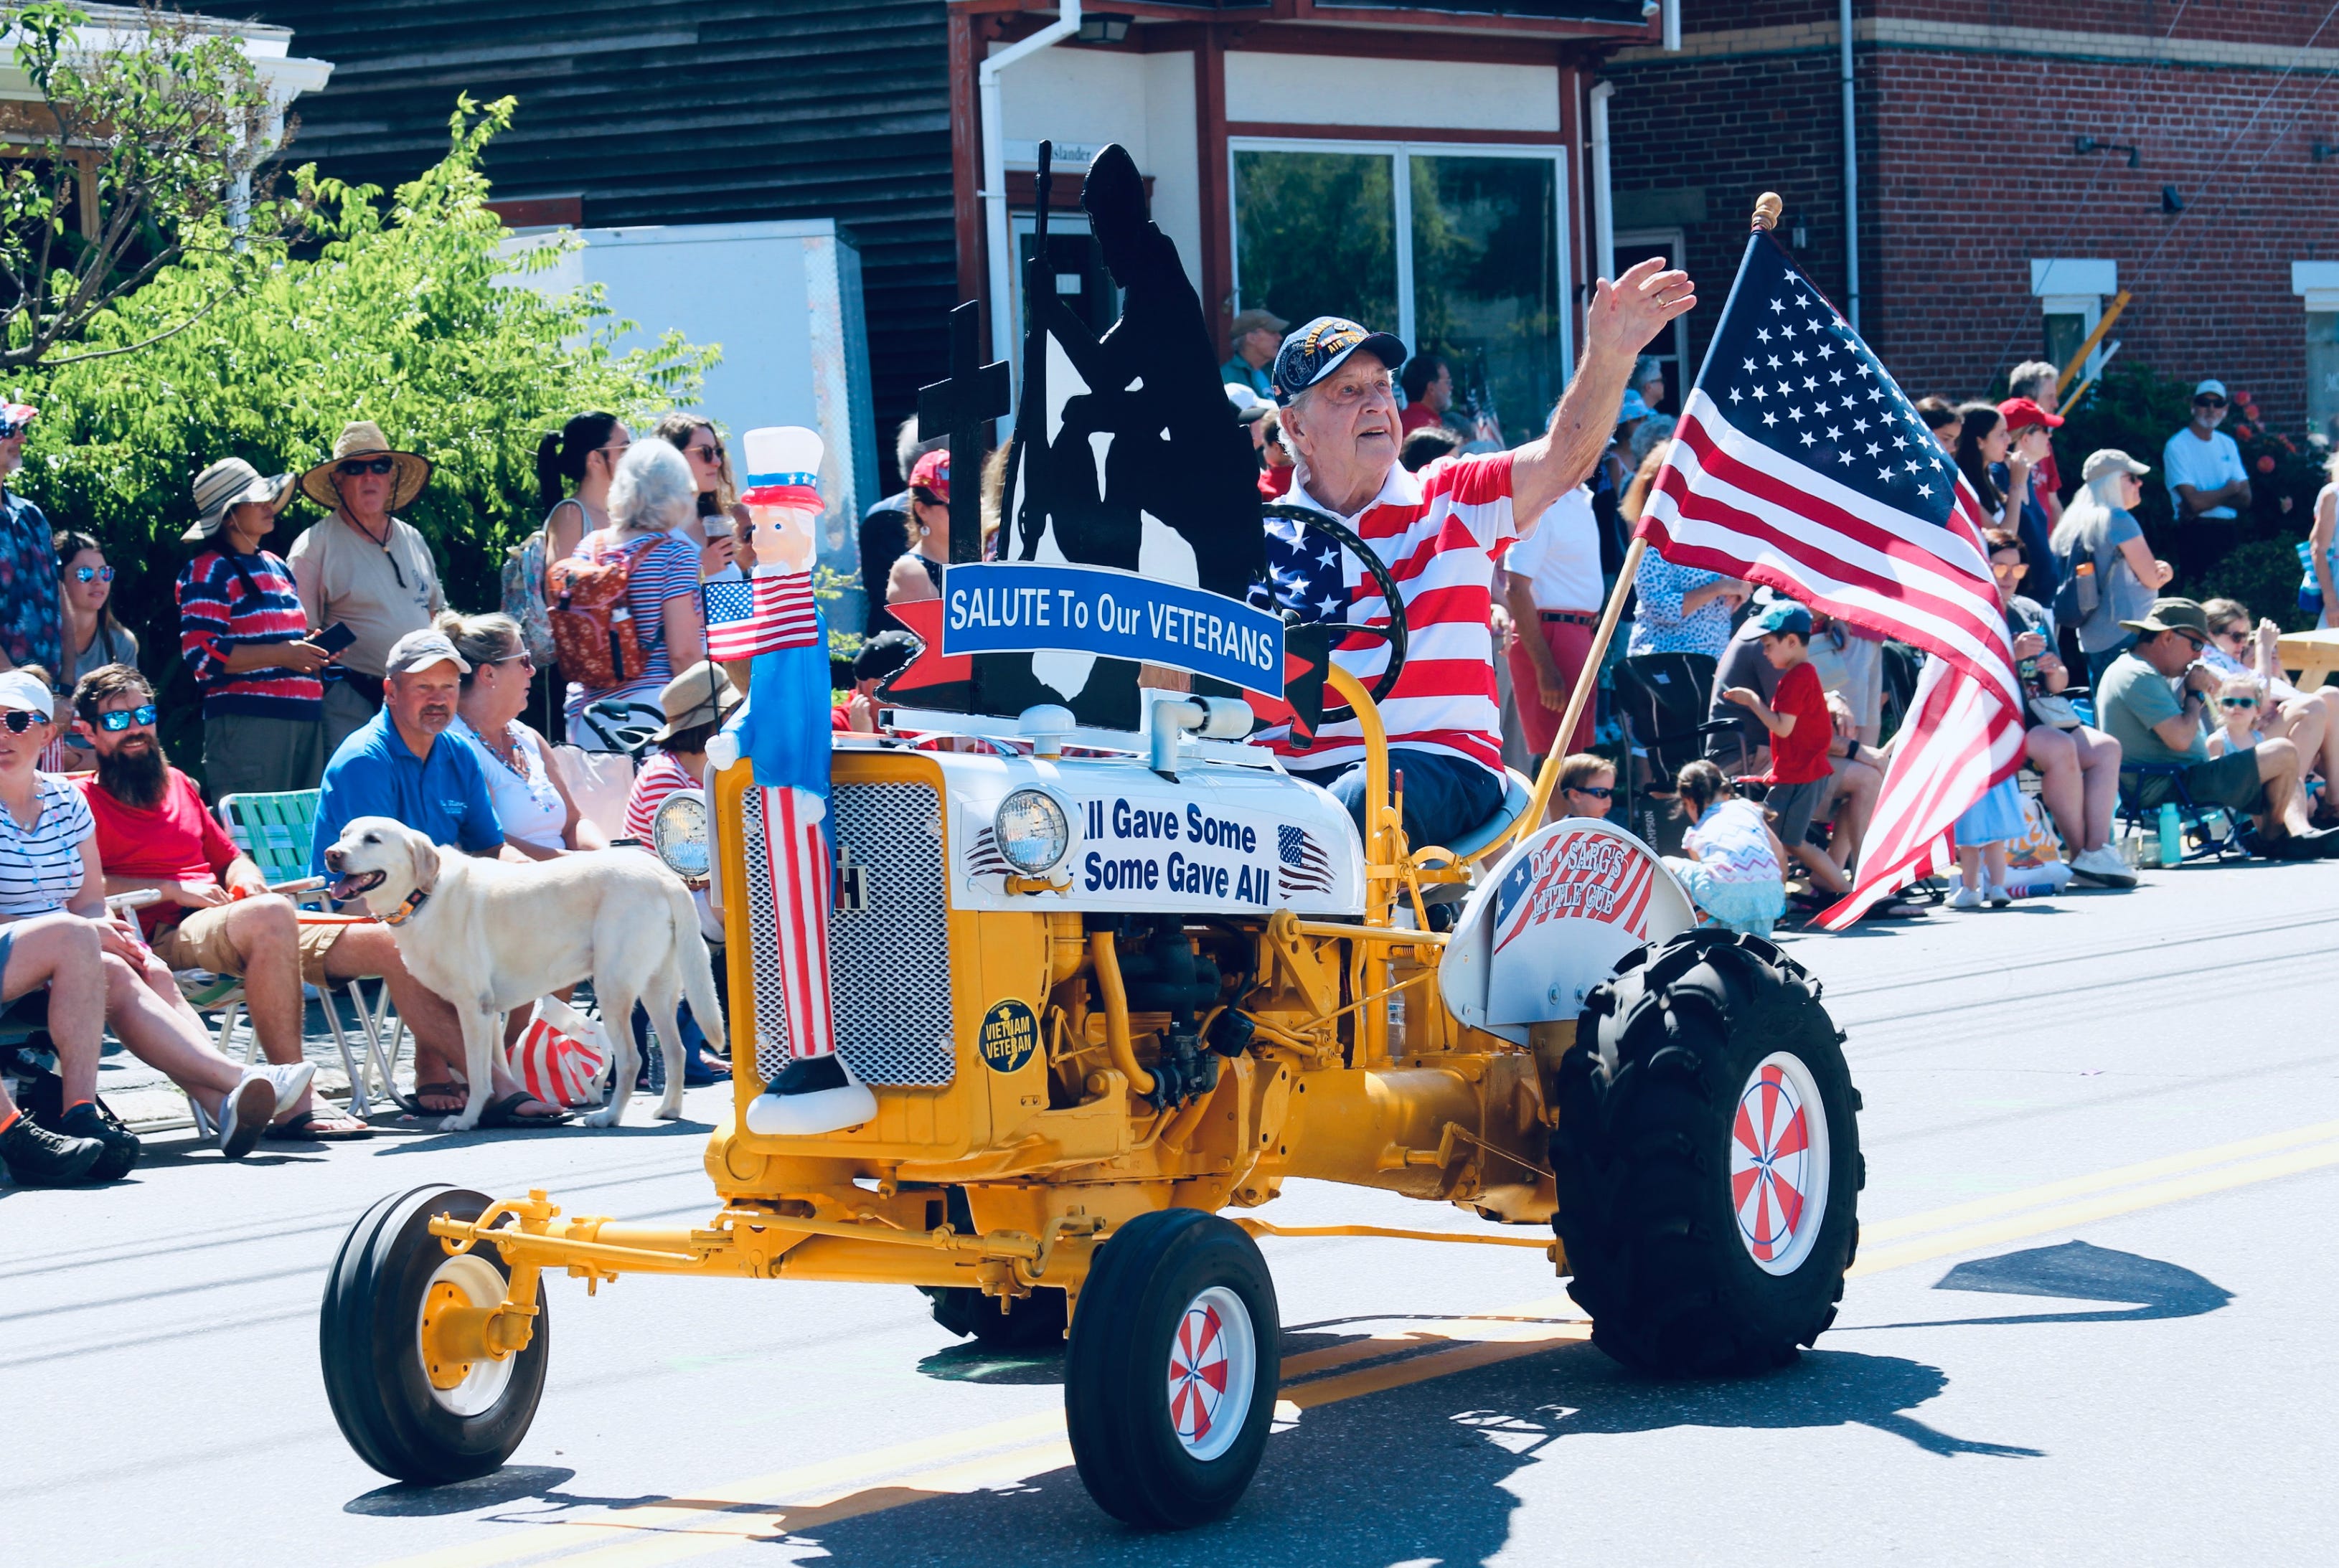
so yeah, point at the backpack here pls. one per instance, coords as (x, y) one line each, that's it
(593, 622)
(523, 596)
(2077, 593)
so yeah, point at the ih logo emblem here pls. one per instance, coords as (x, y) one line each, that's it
(851, 891)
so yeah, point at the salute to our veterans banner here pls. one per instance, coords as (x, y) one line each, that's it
(1031, 606)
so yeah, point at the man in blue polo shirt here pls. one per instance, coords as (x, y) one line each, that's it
(395, 764)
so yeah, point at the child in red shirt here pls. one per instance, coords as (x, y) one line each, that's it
(1801, 731)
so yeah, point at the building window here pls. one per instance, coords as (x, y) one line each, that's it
(1670, 350)
(2071, 292)
(2316, 284)
(1461, 250)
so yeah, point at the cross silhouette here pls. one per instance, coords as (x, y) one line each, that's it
(960, 407)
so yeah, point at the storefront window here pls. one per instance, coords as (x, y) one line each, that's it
(1316, 235)
(1485, 283)
(1459, 252)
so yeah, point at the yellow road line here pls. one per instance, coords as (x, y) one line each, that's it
(2100, 1181)
(1004, 1453)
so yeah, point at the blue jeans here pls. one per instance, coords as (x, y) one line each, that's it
(1445, 796)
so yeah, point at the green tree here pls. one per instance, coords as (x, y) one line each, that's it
(416, 317)
(147, 145)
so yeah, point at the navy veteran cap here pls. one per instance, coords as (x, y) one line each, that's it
(1322, 347)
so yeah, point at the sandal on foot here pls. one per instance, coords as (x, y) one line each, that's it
(459, 1093)
(320, 1127)
(505, 1112)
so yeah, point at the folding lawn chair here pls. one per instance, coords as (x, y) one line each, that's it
(275, 831)
(2204, 832)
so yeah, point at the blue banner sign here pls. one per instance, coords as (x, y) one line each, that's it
(1031, 606)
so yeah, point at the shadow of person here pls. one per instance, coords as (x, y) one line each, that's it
(1408, 1473)
(2077, 1270)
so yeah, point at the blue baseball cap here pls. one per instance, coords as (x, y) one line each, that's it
(1322, 347)
(1785, 615)
(1635, 407)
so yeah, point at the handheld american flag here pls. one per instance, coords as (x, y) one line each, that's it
(758, 616)
(1799, 463)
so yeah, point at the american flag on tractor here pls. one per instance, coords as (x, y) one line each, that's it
(1305, 867)
(747, 616)
(1799, 463)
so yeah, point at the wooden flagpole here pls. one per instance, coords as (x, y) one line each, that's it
(1767, 208)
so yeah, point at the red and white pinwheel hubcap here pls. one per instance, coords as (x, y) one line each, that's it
(1779, 1163)
(1213, 1368)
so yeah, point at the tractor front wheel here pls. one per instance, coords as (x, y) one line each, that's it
(408, 1410)
(1707, 1158)
(1172, 1372)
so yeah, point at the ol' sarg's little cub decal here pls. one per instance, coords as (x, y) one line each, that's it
(1578, 876)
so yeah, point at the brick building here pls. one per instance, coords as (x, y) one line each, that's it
(2016, 167)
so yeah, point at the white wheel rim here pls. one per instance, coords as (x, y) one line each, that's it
(482, 1286)
(1779, 1163)
(1213, 1368)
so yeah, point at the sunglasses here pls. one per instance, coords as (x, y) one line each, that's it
(18, 720)
(2239, 702)
(9, 430)
(2232, 635)
(351, 469)
(1603, 792)
(705, 454)
(93, 574)
(121, 719)
(2208, 402)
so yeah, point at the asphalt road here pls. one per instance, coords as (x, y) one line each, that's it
(2093, 1325)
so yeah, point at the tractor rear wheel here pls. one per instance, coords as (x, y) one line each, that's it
(1171, 1374)
(408, 1418)
(1707, 1158)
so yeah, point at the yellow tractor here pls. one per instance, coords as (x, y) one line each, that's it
(1108, 988)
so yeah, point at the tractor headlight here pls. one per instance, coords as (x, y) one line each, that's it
(678, 835)
(1033, 830)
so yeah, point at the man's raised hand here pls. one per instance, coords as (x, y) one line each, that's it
(1626, 314)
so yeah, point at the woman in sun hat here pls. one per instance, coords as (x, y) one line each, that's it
(363, 567)
(245, 639)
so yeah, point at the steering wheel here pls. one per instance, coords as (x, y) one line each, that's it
(1394, 633)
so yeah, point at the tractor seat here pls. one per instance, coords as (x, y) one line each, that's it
(1517, 791)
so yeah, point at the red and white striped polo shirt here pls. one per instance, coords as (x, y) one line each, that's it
(1441, 533)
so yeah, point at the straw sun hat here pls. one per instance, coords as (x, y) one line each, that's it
(409, 471)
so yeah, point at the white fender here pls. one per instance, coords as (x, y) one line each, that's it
(1552, 920)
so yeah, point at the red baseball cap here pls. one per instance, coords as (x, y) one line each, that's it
(932, 471)
(2021, 411)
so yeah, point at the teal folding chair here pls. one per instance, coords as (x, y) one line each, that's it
(275, 831)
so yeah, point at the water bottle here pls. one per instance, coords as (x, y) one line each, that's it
(2171, 845)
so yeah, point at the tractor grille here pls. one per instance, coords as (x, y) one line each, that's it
(889, 964)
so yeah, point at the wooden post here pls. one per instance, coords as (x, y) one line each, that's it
(1767, 210)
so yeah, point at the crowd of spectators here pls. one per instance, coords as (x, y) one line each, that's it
(338, 666)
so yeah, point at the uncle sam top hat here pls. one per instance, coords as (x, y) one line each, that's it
(783, 468)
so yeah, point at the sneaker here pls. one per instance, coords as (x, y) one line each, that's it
(1997, 897)
(1966, 897)
(91, 1120)
(288, 1082)
(2103, 866)
(244, 1114)
(36, 1157)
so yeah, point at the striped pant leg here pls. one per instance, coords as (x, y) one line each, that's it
(796, 849)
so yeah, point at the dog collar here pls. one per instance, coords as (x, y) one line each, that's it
(406, 912)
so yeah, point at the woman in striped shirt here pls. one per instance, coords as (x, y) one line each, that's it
(655, 495)
(52, 894)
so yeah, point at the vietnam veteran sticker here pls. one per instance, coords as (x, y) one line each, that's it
(1011, 1033)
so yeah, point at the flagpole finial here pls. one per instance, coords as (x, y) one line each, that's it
(1767, 207)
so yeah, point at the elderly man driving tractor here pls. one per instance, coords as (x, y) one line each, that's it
(1441, 533)
(1099, 991)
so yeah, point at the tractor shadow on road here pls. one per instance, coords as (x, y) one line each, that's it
(1411, 1473)
(512, 1484)
(2080, 1272)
